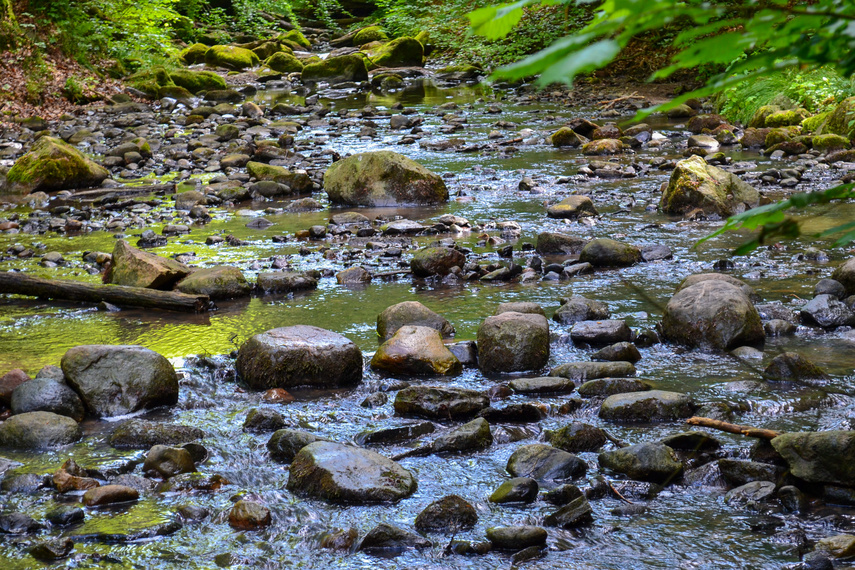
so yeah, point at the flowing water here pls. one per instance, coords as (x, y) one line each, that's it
(686, 527)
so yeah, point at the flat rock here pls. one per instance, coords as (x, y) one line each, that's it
(648, 406)
(543, 462)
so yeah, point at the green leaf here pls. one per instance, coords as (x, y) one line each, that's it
(595, 56)
(494, 22)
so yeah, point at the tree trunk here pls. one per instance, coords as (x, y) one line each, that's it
(119, 295)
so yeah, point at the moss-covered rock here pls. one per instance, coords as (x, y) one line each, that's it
(284, 63)
(559, 244)
(565, 136)
(603, 147)
(369, 34)
(231, 57)
(194, 54)
(267, 49)
(52, 165)
(382, 178)
(298, 181)
(174, 92)
(605, 252)
(814, 124)
(696, 184)
(779, 135)
(400, 52)
(150, 81)
(222, 282)
(543, 462)
(652, 462)
(297, 37)
(840, 121)
(338, 69)
(819, 457)
(196, 81)
(830, 143)
(788, 118)
(142, 269)
(759, 118)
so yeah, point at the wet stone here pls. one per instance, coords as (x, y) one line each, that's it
(439, 403)
(542, 385)
(52, 550)
(581, 371)
(18, 523)
(620, 351)
(577, 437)
(284, 444)
(543, 462)
(109, 495)
(577, 512)
(600, 332)
(395, 434)
(652, 462)
(249, 515)
(516, 490)
(385, 537)
(143, 434)
(649, 406)
(448, 515)
(516, 537)
(263, 420)
(605, 387)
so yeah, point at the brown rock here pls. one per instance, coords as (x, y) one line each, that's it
(140, 269)
(247, 515)
(109, 494)
(10, 381)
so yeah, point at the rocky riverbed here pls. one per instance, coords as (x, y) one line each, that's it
(452, 326)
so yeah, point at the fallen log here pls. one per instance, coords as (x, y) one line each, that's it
(119, 295)
(749, 431)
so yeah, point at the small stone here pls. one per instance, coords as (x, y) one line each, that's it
(516, 490)
(249, 515)
(109, 494)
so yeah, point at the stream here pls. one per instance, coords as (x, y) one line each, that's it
(686, 526)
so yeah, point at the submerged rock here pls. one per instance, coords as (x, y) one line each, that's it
(118, 380)
(299, 356)
(512, 342)
(382, 178)
(576, 513)
(109, 494)
(249, 515)
(793, 367)
(341, 474)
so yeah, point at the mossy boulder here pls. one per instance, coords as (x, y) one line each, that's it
(651, 462)
(221, 282)
(337, 69)
(284, 63)
(299, 356)
(840, 121)
(572, 207)
(712, 314)
(231, 57)
(790, 117)
(605, 252)
(150, 81)
(759, 119)
(196, 81)
(814, 124)
(603, 147)
(819, 457)
(38, 430)
(400, 52)
(340, 474)
(194, 54)
(382, 178)
(513, 342)
(267, 49)
(298, 181)
(829, 143)
(369, 34)
(565, 136)
(119, 380)
(297, 37)
(696, 184)
(845, 274)
(52, 165)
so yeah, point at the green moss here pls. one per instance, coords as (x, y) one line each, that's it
(423, 37)
(149, 81)
(230, 57)
(197, 81)
(840, 122)
(267, 49)
(143, 146)
(284, 63)
(296, 37)
(400, 52)
(827, 143)
(369, 34)
(759, 118)
(566, 136)
(814, 124)
(779, 135)
(53, 165)
(786, 118)
(194, 54)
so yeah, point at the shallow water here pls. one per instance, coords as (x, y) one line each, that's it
(687, 527)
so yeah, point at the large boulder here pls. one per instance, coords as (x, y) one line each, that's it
(543, 462)
(340, 474)
(52, 165)
(284, 63)
(221, 282)
(512, 342)
(840, 120)
(819, 457)
(416, 350)
(136, 268)
(299, 356)
(652, 462)
(647, 406)
(382, 178)
(828, 312)
(400, 52)
(197, 81)
(337, 69)
(439, 403)
(411, 313)
(696, 184)
(118, 380)
(698, 277)
(47, 395)
(38, 430)
(712, 314)
(231, 57)
(436, 261)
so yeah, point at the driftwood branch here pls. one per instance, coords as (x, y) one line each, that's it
(610, 103)
(749, 431)
(119, 295)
